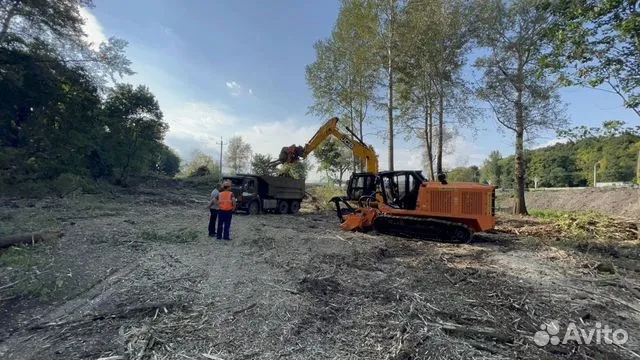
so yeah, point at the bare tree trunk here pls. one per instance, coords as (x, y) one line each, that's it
(428, 136)
(520, 207)
(390, 113)
(440, 130)
(353, 156)
(390, 80)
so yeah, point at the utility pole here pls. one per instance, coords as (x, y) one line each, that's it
(595, 182)
(221, 144)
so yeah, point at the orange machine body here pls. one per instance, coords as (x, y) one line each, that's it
(469, 203)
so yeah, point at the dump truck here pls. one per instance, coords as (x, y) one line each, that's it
(257, 194)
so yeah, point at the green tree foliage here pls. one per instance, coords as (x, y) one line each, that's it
(238, 154)
(167, 161)
(334, 160)
(58, 117)
(464, 174)
(613, 146)
(24, 20)
(48, 111)
(491, 170)
(58, 23)
(434, 38)
(389, 49)
(201, 164)
(297, 170)
(134, 129)
(597, 42)
(263, 164)
(343, 76)
(523, 98)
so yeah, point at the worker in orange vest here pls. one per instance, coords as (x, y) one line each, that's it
(227, 204)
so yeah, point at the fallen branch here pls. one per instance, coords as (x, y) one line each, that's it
(485, 332)
(10, 240)
(621, 302)
(244, 309)
(126, 312)
(9, 285)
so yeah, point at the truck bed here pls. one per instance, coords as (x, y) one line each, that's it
(281, 187)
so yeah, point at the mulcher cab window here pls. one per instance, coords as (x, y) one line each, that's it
(400, 188)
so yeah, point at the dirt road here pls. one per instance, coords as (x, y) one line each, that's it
(136, 277)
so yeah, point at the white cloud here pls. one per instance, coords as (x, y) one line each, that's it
(460, 152)
(550, 143)
(235, 89)
(198, 121)
(93, 29)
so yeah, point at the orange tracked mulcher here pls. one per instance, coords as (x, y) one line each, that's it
(404, 202)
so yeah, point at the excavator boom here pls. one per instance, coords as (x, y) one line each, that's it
(361, 150)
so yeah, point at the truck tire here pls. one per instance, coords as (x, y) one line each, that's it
(294, 207)
(254, 208)
(283, 207)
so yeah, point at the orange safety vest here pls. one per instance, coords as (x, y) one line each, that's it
(225, 199)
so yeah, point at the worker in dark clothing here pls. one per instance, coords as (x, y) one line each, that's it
(213, 209)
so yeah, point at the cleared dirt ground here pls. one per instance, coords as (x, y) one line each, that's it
(134, 276)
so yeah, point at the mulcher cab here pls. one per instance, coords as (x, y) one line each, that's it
(404, 202)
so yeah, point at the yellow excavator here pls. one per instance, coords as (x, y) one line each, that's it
(359, 183)
(403, 202)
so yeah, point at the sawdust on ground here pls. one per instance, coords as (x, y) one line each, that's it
(141, 280)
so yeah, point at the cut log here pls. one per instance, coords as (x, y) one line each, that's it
(10, 240)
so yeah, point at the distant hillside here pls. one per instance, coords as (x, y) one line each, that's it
(613, 147)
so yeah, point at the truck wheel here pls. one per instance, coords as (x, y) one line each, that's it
(283, 207)
(254, 208)
(294, 207)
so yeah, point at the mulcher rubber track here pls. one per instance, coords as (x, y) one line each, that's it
(423, 229)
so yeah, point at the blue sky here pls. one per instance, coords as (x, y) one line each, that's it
(221, 68)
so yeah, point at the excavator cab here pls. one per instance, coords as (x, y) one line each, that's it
(361, 184)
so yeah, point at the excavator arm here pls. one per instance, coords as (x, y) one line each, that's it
(357, 146)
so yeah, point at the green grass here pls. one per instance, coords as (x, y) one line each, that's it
(590, 230)
(324, 193)
(31, 276)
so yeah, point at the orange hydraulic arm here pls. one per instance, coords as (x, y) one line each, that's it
(359, 148)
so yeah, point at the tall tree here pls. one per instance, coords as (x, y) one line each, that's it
(238, 154)
(59, 24)
(135, 129)
(23, 20)
(334, 160)
(597, 42)
(200, 163)
(491, 170)
(388, 13)
(521, 94)
(434, 36)
(343, 76)
(263, 164)
(168, 162)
